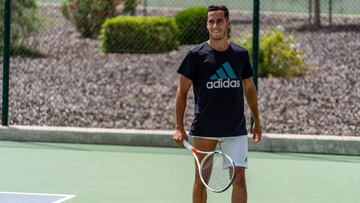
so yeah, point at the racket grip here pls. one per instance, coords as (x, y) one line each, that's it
(188, 146)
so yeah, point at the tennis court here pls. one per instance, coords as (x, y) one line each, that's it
(105, 173)
(302, 6)
(351, 7)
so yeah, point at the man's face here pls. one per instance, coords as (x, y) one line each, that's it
(217, 25)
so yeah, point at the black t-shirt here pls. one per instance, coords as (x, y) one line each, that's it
(218, 89)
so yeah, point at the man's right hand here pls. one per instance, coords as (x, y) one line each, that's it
(179, 136)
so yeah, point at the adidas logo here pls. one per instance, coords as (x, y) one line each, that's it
(223, 78)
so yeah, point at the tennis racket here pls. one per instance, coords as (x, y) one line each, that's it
(216, 170)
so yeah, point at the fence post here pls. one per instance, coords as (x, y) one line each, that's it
(256, 30)
(255, 54)
(310, 12)
(330, 12)
(6, 64)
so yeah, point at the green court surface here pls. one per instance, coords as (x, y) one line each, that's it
(298, 6)
(126, 174)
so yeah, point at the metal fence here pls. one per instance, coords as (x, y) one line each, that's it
(69, 81)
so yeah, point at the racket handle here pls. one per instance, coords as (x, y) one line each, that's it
(189, 146)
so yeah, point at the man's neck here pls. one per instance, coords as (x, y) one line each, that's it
(219, 45)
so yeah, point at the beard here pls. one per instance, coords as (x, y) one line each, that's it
(216, 38)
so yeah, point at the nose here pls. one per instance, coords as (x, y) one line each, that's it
(215, 25)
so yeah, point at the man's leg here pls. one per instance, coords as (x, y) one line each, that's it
(237, 149)
(199, 189)
(239, 193)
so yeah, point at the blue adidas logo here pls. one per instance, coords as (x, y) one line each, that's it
(223, 78)
(221, 74)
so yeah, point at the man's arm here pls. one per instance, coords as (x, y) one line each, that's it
(251, 99)
(180, 105)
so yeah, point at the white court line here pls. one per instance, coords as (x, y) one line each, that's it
(65, 196)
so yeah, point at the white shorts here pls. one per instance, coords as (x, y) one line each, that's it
(235, 147)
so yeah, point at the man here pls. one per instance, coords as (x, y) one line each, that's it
(221, 74)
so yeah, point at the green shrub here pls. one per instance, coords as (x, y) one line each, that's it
(26, 20)
(280, 54)
(89, 15)
(192, 25)
(139, 34)
(21, 50)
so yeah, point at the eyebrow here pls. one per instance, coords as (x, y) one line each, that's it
(217, 19)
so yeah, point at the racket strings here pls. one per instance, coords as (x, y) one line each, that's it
(217, 171)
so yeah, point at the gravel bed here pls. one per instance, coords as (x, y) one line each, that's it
(77, 85)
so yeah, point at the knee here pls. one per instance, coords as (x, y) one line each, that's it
(199, 185)
(239, 181)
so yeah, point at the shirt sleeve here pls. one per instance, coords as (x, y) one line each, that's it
(247, 71)
(187, 67)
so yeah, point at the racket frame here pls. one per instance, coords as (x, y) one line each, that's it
(194, 151)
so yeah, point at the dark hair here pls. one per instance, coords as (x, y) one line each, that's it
(219, 8)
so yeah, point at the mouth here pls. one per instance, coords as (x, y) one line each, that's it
(216, 32)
